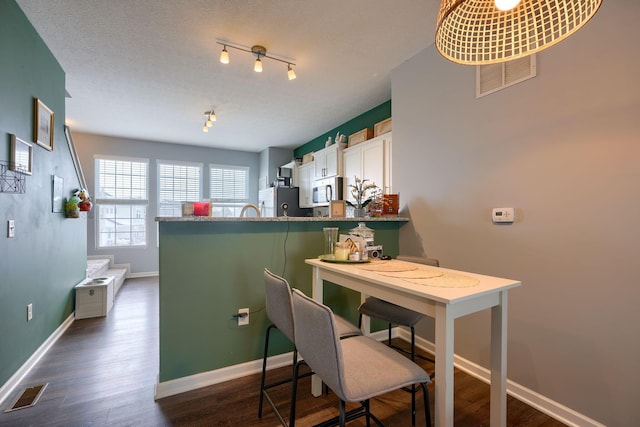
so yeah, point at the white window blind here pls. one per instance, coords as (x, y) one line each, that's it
(177, 183)
(121, 179)
(229, 189)
(121, 201)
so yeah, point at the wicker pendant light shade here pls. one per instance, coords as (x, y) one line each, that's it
(476, 32)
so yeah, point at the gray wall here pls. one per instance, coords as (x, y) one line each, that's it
(270, 160)
(563, 150)
(144, 261)
(47, 257)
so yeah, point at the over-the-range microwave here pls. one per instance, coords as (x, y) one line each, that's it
(327, 189)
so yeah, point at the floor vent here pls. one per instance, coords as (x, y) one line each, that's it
(28, 398)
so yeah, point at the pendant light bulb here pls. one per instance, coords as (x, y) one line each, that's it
(290, 72)
(212, 116)
(208, 123)
(205, 128)
(258, 66)
(505, 5)
(224, 55)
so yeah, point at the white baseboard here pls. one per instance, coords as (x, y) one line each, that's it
(550, 407)
(204, 379)
(8, 387)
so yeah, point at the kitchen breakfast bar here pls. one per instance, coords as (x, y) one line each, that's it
(211, 267)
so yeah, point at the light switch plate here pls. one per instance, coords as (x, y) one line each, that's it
(11, 228)
(502, 215)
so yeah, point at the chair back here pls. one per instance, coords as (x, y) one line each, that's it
(317, 340)
(420, 260)
(278, 303)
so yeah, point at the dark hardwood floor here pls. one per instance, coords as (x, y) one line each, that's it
(102, 372)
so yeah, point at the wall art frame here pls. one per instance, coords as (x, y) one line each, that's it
(21, 159)
(43, 121)
(57, 194)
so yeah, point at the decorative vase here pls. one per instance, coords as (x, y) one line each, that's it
(358, 212)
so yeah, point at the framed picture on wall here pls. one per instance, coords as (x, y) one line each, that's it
(21, 156)
(43, 125)
(57, 197)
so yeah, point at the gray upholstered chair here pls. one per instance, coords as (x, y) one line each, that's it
(280, 312)
(356, 369)
(395, 315)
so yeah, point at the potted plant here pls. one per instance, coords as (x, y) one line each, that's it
(363, 193)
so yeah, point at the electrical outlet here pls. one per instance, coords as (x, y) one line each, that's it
(243, 316)
(29, 312)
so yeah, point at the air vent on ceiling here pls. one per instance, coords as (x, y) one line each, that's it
(494, 77)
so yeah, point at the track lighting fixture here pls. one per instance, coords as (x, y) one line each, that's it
(210, 117)
(259, 52)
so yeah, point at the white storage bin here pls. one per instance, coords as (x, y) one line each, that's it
(94, 297)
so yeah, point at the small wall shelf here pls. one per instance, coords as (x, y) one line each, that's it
(11, 181)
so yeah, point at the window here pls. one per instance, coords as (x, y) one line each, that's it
(121, 199)
(177, 183)
(229, 189)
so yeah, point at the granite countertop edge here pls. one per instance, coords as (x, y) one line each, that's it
(384, 218)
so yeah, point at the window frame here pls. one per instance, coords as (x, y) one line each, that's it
(177, 211)
(103, 202)
(226, 204)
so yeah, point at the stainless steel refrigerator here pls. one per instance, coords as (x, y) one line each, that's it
(274, 200)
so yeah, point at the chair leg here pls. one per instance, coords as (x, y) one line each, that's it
(294, 391)
(427, 408)
(343, 413)
(264, 370)
(389, 338)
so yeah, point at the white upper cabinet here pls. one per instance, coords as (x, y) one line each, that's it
(306, 178)
(369, 160)
(328, 162)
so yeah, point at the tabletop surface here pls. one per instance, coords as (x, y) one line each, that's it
(449, 295)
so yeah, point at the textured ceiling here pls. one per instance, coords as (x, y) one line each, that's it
(148, 69)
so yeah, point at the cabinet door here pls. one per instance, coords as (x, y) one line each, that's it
(352, 168)
(331, 161)
(306, 176)
(373, 163)
(320, 163)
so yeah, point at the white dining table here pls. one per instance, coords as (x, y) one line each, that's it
(445, 304)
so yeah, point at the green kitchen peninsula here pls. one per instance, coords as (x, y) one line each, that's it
(211, 267)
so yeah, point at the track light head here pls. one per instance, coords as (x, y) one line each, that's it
(290, 72)
(224, 55)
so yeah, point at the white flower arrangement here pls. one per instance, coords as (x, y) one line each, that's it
(359, 192)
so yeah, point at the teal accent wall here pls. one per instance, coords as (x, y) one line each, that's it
(364, 120)
(208, 270)
(47, 256)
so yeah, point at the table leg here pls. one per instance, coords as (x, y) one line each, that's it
(499, 362)
(317, 295)
(444, 367)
